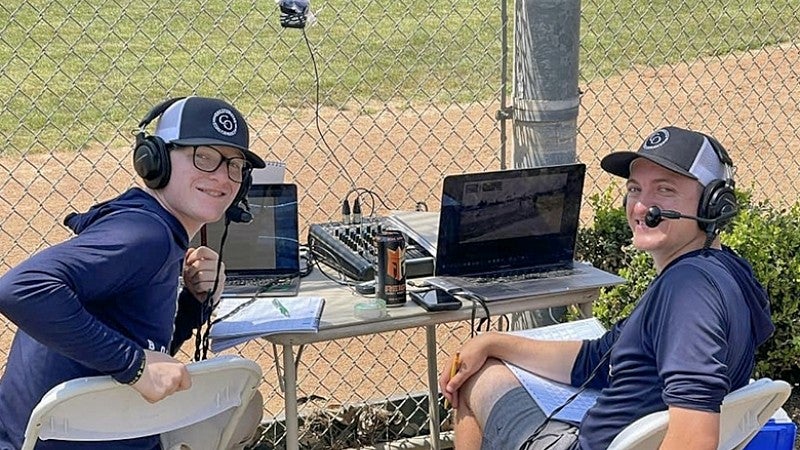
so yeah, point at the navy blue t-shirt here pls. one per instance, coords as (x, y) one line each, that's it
(91, 305)
(690, 340)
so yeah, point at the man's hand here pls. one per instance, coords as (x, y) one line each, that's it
(471, 358)
(163, 375)
(551, 359)
(200, 271)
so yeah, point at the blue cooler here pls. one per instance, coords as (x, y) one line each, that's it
(774, 436)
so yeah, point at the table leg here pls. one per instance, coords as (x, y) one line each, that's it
(433, 385)
(290, 397)
(586, 310)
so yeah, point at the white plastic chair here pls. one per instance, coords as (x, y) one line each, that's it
(101, 409)
(742, 414)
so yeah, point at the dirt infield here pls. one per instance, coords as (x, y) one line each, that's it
(714, 94)
(734, 97)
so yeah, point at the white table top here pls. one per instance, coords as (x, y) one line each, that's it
(340, 321)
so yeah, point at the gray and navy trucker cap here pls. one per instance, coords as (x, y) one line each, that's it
(682, 151)
(206, 121)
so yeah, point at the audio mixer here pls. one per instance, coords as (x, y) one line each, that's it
(350, 248)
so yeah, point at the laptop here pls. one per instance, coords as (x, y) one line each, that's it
(510, 234)
(262, 258)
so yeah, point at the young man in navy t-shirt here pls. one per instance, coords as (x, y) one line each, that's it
(690, 340)
(107, 302)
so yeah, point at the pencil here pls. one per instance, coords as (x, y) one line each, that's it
(453, 371)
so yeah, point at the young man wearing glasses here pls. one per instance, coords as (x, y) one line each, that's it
(104, 301)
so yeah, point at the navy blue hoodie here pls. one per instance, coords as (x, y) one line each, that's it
(91, 305)
(690, 341)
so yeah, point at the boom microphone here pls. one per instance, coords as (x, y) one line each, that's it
(239, 212)
(656, 215)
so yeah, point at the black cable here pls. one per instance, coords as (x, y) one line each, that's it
(316, 114)
(500, 320)
(710, 236)
(535, 435)
(350, 179)
(201, 338)
(338, 262)
(262, 289)
(308, 257)
(483, 320)
(372, 196)
(476, 300)
(341, 282)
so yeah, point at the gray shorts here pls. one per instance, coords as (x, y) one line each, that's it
(516, 416)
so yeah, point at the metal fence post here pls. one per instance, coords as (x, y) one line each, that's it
(547, 40)
(545, 117)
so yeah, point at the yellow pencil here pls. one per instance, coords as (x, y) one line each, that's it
(453, 371)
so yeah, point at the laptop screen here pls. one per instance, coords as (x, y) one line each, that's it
(492, 222)
(268, 245)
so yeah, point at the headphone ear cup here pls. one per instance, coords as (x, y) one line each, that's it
(150, 153)
(718, 200)
(151, 161)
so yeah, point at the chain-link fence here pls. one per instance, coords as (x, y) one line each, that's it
(387, 96)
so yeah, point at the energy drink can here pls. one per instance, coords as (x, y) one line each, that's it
(391, 271)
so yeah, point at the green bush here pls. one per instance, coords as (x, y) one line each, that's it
(768, 238)
(607, 246)
(602, 243)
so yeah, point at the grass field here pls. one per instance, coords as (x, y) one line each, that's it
(74, 70)
(65, 86)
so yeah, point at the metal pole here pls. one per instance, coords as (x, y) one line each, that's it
(546, 98)
(290, 380)
(504, 113)
(433, 385)
(546, 101)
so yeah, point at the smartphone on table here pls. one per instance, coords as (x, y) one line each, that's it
(435, 300)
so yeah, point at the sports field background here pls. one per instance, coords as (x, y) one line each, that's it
(408, 93)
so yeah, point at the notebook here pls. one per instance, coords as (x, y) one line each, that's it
(262, 257)
(240, 320)
(511, 233)
(551, 395)
(272, 173)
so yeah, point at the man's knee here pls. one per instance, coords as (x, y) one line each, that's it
(485, 387)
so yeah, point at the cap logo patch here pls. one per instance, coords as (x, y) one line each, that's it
(225, 122)
(657, 139)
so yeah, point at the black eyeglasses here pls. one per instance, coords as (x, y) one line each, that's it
(208, 159)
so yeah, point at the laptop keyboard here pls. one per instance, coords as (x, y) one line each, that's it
(257, 282)
(520, 276)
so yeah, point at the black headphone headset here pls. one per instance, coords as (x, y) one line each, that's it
(150, 154)
(718, 200)
(718, 204)
(151, 162)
